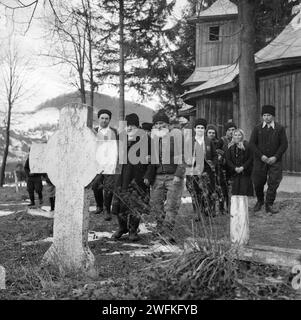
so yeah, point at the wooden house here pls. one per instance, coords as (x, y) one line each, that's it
(212, 90)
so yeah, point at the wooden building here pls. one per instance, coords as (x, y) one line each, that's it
(212, 90)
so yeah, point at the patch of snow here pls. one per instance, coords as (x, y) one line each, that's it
(13, 204)
(137, 245)
(5, 213)
(186, 200)
(40, 212)
(157, 247)
(95, 235)
(47, 116)
(29, 243)
(143, 227)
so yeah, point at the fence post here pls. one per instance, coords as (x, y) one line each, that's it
(239, 221)
(16, 181)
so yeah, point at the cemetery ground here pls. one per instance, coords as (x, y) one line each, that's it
(150, 268)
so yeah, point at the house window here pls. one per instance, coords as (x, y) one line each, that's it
(214, 33)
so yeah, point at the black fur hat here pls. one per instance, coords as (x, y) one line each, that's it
(268, 109)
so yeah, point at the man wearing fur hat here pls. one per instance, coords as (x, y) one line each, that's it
(103, 184)
(268, 142)
(166, 177)
(131, 193)
(200, 180)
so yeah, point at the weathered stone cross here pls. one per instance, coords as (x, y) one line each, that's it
(69, 159)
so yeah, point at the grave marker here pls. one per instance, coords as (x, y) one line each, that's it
(69, 159)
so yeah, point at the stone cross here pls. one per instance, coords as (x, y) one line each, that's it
(69, 159)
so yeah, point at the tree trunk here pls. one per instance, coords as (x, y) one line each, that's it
(5, 152)
(92, 86)
(172, 74)
(247, 85)
(82, 86)
(121, 62)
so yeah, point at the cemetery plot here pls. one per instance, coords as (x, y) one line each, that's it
(121, 275)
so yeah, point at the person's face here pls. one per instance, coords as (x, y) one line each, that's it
(199, 130)
(268, 118)
(211, 134)
(229, 132)
(237, 137)
(131, 130)
(104, 120)
(160, 125)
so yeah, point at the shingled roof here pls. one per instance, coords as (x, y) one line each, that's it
(285, 47)
(219, 8)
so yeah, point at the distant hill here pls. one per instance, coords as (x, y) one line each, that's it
(101, 101)
(32, 127)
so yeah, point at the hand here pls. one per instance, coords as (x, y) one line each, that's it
(146, 182)
(271, 160)
(264, 159)
(189, 162)
(239, 169)
(176, 179)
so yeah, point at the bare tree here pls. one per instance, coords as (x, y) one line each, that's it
(72, 43)
(14, 73)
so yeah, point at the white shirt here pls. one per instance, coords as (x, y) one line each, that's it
(105, 133)
(272, 124)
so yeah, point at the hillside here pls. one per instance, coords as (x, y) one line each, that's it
(32, 127)
(101, 101)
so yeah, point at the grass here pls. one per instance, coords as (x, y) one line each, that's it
(203, 272)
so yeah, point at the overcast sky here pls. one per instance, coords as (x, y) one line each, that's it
(48, 81)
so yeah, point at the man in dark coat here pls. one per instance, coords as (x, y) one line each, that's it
(200, 182)
(34, 184)
(165, 174)
(268, 142)
(130, 190)
(103, 184)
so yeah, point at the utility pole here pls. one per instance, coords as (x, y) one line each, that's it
(121, 61)
(247, 83)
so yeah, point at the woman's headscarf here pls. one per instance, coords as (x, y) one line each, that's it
(240, 144)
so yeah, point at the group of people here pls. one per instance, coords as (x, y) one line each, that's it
(216, 169)
(35, 185)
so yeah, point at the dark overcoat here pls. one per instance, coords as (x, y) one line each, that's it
(241, 182)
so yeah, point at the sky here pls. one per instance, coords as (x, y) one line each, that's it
(46, 81)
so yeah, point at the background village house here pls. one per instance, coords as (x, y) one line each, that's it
(212, 89)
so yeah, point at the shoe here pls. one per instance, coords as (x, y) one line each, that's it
(258, 206)
(133, 236)
(269, 209)
(99, 210)
(107, 214)
(119, 233)
(31, 205)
